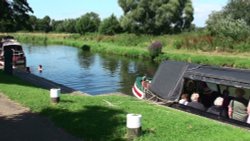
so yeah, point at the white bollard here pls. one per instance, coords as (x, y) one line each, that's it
(55, 95)
(133, 125)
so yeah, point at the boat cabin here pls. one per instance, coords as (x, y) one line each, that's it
(173, 79)
(18, 57)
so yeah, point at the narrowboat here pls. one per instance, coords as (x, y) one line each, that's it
(140, 86)
(173, 79)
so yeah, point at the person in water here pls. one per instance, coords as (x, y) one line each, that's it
(40, 68)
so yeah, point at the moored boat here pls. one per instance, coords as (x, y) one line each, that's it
(140, 86)
(174, 79)
(18, 56)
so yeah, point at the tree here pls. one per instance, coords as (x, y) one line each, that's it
(69, 25)
(46, 24)
(33, 23)
(88, 23)
(14, 14)
(156, 17)
(110, 26)
(233, 21)
(238, 9)
(226, 26)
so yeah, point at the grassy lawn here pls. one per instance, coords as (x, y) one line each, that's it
(104, 117)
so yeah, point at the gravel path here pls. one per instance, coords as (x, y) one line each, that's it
(17, 123)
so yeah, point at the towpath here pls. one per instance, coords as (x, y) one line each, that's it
(17, 123)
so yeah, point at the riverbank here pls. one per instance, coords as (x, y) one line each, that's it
(104, 117)
(44, 83)
(131, 45)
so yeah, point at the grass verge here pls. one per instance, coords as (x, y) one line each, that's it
(104, 117)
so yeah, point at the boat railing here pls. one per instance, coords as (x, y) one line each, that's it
(150, 96)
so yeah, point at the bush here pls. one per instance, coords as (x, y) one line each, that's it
(155, 49)
(177, 44)
(225, 26)
(85, 48)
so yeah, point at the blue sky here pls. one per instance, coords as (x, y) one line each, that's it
(62, 9)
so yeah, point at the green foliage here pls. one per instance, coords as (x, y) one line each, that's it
(68, 25)
(177, 44)
(239, 10)
(88, 23)
(156, 17)
(14, 15)
(155, 49)
(218, 60)
(224, 25)
(110, 26)
(44, 24)
(85, 47)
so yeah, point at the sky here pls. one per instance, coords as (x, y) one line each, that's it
(65, 9)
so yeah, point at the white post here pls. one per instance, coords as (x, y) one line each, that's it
(133, 125)
(55, 95)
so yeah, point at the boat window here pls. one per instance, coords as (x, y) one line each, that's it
(17, 48)
(212, 86)
(231, 91)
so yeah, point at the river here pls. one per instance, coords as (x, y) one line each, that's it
(92, 73)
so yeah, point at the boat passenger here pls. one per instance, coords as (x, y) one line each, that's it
(248, 111)
(237, 108)
(184, 99)
(195, 102)
(145, 83)
(218, 108)
(190, 87)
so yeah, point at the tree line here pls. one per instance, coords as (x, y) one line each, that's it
(153, 17)
(140, 16)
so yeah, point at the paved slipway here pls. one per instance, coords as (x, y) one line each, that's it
(17, 123)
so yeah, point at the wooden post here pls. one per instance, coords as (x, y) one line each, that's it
(55, 95)
(133, 126)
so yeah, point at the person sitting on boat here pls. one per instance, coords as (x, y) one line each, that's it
(184, 99)
(248, 112)
(218, 108)
(145, 83)
(195, 102)
(237, 108)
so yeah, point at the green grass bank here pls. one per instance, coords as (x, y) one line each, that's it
(189, 47)
(103, 118)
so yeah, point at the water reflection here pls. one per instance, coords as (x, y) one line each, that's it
(85, 71)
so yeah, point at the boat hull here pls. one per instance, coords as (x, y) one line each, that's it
(138, 92)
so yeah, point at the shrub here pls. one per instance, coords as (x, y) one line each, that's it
(177, 44)
(155, 49)
(85, 47)
(225, 26)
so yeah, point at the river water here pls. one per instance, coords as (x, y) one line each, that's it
(88, 72)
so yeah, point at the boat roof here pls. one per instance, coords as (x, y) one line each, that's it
(219, 75)
(169, 78)
(10, 42)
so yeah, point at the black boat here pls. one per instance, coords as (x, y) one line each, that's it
(172, 79)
